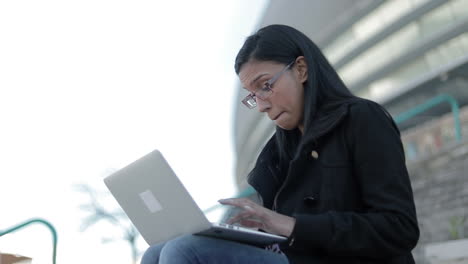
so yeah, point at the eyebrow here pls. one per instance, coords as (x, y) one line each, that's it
(256, 79)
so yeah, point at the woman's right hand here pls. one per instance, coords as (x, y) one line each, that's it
(257, 216)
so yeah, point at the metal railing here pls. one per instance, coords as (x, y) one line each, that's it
(39, 221)
(442, 98)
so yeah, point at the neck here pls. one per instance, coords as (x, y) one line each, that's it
(301, 128)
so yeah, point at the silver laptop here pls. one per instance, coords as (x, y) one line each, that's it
(161, 208)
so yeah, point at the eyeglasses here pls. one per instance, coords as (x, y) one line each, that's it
(264, 92)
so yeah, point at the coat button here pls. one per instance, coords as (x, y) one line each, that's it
(314, 154)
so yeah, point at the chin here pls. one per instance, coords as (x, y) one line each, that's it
(286, 126)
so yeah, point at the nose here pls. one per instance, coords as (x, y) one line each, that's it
(263, 105)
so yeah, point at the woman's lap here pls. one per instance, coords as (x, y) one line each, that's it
(207, 250)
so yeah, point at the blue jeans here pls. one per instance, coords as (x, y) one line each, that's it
(193, 249)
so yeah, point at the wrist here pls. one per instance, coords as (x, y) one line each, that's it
(289, 226)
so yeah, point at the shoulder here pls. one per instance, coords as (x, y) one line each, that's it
(367, 110)
(362, 106)
(365, 115)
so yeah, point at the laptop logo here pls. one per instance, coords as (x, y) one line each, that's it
(150, 201)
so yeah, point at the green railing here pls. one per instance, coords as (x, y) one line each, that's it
(40, 221)
(443, 98)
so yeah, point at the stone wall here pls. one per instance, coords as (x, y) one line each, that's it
(429, 138)
(440, 185)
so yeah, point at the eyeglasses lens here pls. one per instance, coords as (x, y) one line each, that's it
(249, 101)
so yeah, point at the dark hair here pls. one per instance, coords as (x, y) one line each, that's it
(283, 44)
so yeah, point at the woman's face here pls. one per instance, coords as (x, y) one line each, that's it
(285, 105)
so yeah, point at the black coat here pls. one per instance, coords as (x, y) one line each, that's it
(348, 189)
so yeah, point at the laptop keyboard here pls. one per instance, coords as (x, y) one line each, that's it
(237, 227)
(229, 226)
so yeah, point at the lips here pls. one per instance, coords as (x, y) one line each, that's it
(277, 116)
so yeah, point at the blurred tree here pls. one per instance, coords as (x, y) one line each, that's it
(97, 212)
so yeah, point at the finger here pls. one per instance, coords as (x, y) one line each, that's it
(239, 216)
(238, 202)
(251, 223)
(249, 213)
(248, 208)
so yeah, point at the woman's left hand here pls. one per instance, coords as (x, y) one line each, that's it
(256, 216)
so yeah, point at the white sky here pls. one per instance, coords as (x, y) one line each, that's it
(88, 86)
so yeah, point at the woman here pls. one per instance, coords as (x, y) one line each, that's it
(332, 178)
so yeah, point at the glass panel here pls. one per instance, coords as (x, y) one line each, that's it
(400, 42)
(436, 20)
(342, 45)
(381, 54)
(464, 43)
(353, 71)
(405, 38)
(378, 56)
(389, 85)
(447, 52)
(369, 25)
(416, 3)
(433, 59)
(394, 9)
(387, 13)
(459, 9)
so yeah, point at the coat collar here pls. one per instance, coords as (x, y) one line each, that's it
(328, 117)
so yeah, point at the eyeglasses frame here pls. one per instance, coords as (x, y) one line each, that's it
(250, 100)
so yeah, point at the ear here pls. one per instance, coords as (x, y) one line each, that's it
(301, 68)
